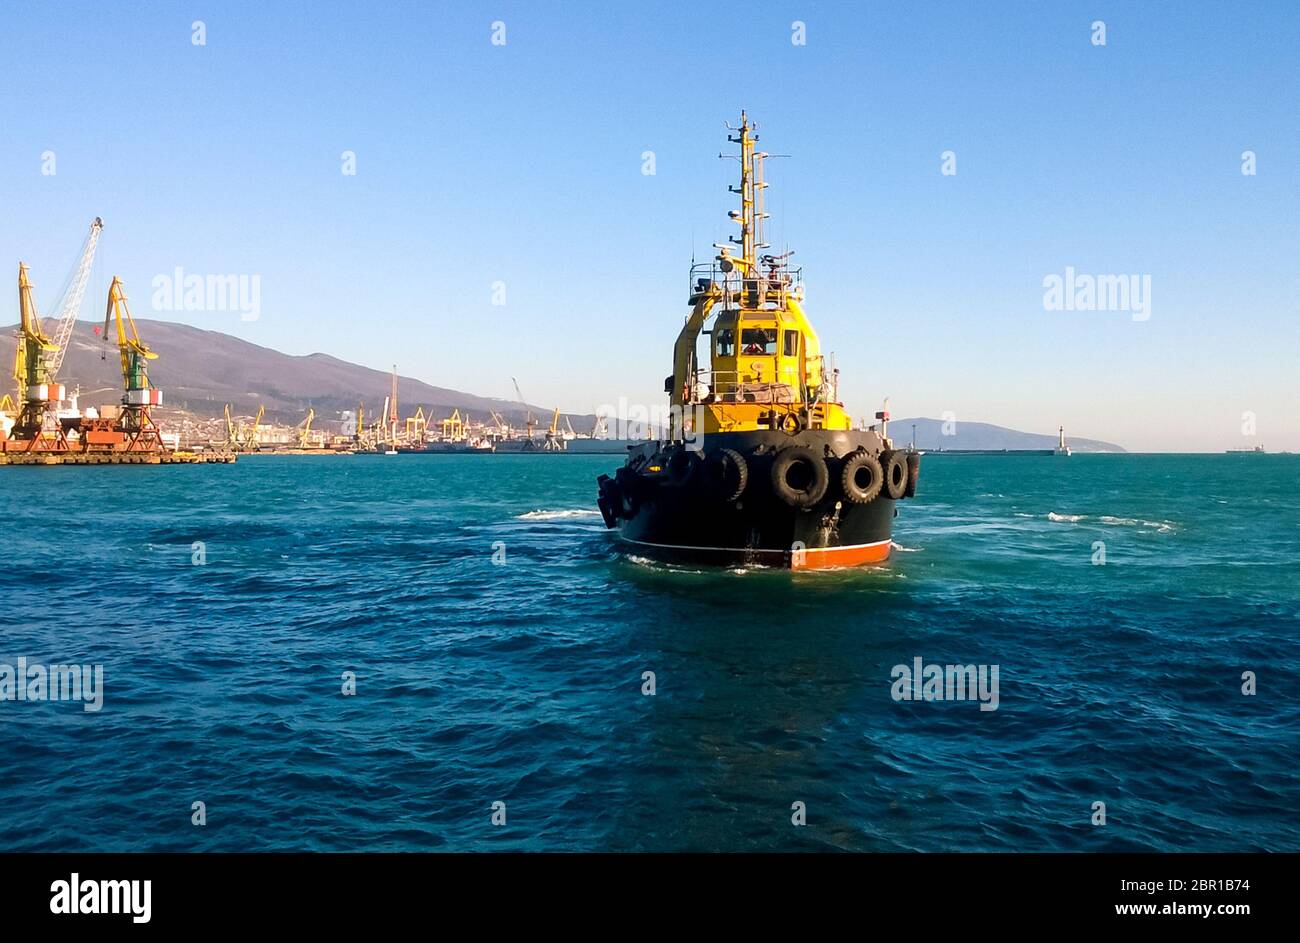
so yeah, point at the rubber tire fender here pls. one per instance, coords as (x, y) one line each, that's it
(913, 473)
(624, 490)
(895, 466)
(855, 464)
(820, 477)
(727, 473)
(682, 465)
(608, 501)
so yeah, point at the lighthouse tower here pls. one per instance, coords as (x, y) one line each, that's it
(1061, 447)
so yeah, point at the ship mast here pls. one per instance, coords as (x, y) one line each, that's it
(751, 189)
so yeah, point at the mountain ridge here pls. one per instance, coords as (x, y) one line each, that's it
(201, 370)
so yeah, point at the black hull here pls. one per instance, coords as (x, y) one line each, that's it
(663, 516)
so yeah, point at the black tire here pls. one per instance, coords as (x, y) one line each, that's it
(608, 501)
(913, 473)
(624, 492)
(727, 473)
(862, 477)
(799, 477)
(895, 466)
(682, 465)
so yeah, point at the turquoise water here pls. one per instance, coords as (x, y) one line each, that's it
(520, 681)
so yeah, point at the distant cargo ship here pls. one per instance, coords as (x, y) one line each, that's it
(762, 463)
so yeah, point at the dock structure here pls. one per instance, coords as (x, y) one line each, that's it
(116, 458)
(37, 430)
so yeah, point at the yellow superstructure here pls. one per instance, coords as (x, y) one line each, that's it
(766, 368)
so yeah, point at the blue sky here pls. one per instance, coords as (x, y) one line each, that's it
(522, 164)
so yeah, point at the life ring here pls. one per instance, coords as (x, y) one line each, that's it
(913, 473)
(682, 464)
(862, 477)
(727, 473)
(895, 466)
(799, 477)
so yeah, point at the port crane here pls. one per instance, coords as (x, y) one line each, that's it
(250, 434)
(359, 439)
(304, 428)
(31, 367)
(38, 356)
(454, 427)
(392, 411)
(232, 437)
(139, 395)
(529, 419)
(555, 441)
(70, 305)
(417, 427)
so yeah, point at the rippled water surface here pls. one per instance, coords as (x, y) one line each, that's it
(521, 683)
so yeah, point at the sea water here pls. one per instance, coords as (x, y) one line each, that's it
(451, 652)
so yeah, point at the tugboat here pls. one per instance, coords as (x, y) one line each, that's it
(761, 464)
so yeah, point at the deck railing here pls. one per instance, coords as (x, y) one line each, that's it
(769, 284)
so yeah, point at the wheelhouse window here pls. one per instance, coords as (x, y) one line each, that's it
(791, 343)
(758, 340)
(726, 341)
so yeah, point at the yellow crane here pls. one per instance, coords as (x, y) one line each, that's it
(31, 364)
(37, 357)
(304, 428)
(529, 419)
(554, 441)
(417, 428)
(453, 427)
(250, 436)
(133, 352)
(139, 395)
(232, 437)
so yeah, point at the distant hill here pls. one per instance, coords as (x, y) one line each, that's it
(202, 371)
(983, 435)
